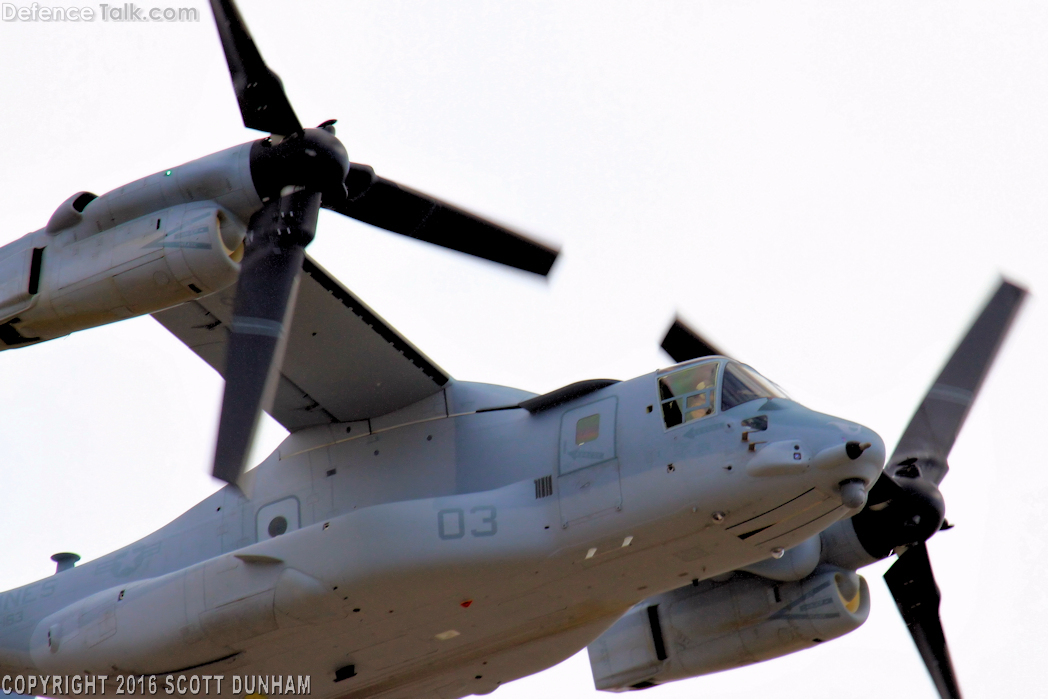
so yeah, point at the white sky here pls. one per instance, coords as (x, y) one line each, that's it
(827, 190)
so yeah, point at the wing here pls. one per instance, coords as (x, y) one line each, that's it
(342, 363)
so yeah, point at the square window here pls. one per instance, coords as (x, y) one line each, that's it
(587, 436)
(696, 414)
(699, 400)
(696, 378)
(688, 394)
(587, 429)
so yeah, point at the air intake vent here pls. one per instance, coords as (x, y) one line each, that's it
(543, 487)
(656, 632)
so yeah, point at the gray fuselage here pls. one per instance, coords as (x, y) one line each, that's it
(434, 548)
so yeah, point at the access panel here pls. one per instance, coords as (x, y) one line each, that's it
(588, 481)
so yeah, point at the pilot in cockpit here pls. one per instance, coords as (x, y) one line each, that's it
(690, 393)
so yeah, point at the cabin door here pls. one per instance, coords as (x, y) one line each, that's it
(588, 477)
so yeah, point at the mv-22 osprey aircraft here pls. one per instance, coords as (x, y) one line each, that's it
(419, 536)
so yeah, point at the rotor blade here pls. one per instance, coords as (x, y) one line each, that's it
(260, 94)
(265, 296)
(912, 584)
(682, 343)
(386, 204)
(934, 427)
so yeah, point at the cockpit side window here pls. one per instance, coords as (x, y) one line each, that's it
(741, 385)
(688, 394)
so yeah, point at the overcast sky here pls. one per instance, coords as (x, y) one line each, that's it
(828, 190)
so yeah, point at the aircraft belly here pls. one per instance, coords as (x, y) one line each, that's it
(414, 570)
(496, 607)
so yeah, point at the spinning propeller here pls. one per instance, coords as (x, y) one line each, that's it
(904, 507)
(682, 343)
(296, 171)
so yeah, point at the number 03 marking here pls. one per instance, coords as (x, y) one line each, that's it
(451, 523)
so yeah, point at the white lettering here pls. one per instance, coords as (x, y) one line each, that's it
(127, 12)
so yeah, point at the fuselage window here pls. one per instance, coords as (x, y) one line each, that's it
(688, 394)
(277, 526)
(742, 385)
(587, 429)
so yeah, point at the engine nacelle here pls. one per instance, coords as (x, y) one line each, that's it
(150, 244)
(52, 287)
(710, 626)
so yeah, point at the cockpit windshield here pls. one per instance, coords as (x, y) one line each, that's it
(688, 394)
(741, 385)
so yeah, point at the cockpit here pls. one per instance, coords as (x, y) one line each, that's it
(700, 390)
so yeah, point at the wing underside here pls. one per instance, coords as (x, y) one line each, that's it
(342, 363)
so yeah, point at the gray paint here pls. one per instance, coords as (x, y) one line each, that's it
(339, 365)
(528, 582)
(383, 444)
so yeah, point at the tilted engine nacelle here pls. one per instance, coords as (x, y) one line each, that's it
(148, 245)
(714, 626)
(58, 286)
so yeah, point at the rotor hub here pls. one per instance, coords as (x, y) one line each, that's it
(911, 514)
(313, 159)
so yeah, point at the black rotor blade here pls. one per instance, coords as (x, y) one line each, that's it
(265, 296)
(682, 343)
(912, 584)
(260, 94)
(393, 207)
(934, 427)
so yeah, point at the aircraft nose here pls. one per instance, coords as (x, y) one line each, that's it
(856, 459)
(835, 455)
